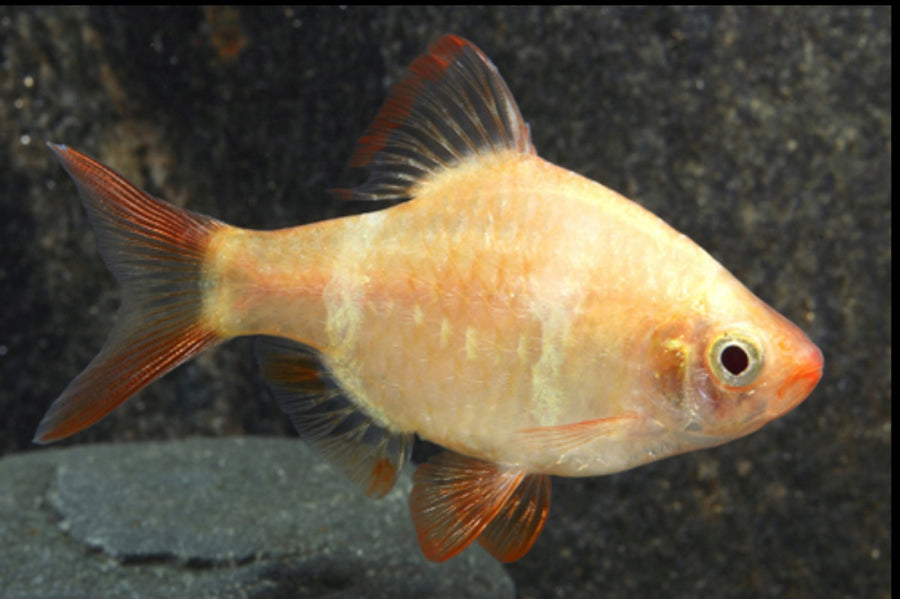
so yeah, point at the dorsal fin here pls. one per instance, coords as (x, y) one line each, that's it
(451, 104)
(368, 453)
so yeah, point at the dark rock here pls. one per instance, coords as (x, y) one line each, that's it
(213, 518)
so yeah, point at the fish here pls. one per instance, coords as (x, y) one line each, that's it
(525, 319)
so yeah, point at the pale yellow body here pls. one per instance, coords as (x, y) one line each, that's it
(508, 294)
(528, 319)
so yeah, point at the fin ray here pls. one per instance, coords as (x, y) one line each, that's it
(451, 104)
(368, 453)
(156, 252)
(454, 500)
(566, 437)
(514, 530)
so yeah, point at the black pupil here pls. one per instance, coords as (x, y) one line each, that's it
(735, 359)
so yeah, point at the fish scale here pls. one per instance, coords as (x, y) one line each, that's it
(530, 321)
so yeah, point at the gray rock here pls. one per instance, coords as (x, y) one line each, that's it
(261, 518)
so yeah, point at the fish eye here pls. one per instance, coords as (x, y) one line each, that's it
(735, 359)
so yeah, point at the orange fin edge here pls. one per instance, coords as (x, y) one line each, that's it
(325, 416)
(510, 535)
(156, 251)
(452, 103)
(457, 499)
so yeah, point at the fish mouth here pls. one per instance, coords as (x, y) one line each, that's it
(799, 383)
(796, 387)
(800, 380)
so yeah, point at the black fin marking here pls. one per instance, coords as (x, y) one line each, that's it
(369, 453)
(451, 104)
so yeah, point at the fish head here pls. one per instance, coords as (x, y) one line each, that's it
(724, 372)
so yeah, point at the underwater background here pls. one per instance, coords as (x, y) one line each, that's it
(764, 134)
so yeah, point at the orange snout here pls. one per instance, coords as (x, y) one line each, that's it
(803, 376)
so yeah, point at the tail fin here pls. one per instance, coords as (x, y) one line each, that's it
(156, 251)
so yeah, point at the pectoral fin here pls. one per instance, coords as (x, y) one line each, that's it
(566, 437)
(457, 499)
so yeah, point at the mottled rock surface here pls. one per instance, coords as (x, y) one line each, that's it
(260, 518)
(764, 134)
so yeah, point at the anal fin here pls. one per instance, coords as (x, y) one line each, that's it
(368, 453)
(457, 499)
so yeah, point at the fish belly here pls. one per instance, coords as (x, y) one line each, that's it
(472, 311)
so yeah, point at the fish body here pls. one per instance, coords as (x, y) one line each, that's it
(529, 320)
